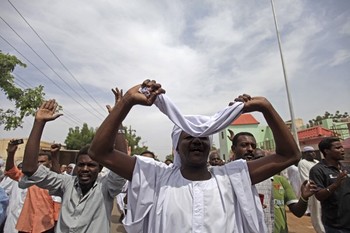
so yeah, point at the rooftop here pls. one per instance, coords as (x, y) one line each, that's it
(245, 119)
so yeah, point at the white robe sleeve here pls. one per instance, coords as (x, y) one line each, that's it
(142, 192)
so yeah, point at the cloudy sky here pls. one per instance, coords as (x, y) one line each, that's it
(204, 53)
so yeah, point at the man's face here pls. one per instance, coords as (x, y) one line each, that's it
(69, 169)
(44, 160)
(311, 155)
(336, 152)
(245, 147)
(87, 170)
(63, 168)
(214, 159)
(193, 151)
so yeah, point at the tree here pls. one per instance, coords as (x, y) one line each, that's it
(171, 157)
(335, 117)
(77, 138)
(26, 101)
(134, 140)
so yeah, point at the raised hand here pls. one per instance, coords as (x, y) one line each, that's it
(11, 148)
(47, 111)
(308, 188)
(342, 175)
(56, 147)
(252, 104)
(150, 91)
(118, 96)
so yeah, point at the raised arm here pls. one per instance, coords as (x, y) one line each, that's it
(120, 142)
(102, 148)
(287, 152)
(308, 188)
(11, 150)
(47, 112)
(55, 151)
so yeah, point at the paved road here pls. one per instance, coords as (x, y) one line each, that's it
(295, 225)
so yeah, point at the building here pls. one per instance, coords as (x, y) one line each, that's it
(65, 156)
(264, 137)
(246, 123)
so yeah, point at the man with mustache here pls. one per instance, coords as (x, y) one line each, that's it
(187, 196)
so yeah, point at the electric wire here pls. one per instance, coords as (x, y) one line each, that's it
(48, 77)
(50, 67)
(58, 59)
(70, 116)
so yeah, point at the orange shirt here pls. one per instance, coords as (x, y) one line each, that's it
(37, 214)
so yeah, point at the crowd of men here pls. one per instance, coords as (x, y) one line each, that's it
(197, 192)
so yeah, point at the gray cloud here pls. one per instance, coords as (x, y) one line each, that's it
(204, 53)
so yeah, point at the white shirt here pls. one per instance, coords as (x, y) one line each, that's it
(304, 167)
(16, 200)
(79, 213)
(160, 199)
(294, 179)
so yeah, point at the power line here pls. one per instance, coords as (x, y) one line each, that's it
(51, 67)
(59, 60)
(48, 77)
(67, 114)
(23, 80)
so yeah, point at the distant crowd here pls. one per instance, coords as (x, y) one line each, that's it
(197, 191)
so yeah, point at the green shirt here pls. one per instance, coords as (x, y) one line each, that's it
(283, 195)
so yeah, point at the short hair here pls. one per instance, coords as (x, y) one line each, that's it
(235, 138)
(44, 153)
(83, 151)
(326, 143)
(170, 160)
(148, 152)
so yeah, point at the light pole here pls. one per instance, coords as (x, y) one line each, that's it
(294, 129)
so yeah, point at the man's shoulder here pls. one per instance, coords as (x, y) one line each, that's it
(318, 168)
(319, 165)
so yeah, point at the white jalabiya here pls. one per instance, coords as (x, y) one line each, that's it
(17, 197)
(161, 200)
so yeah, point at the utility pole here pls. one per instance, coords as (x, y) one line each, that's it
(294, 129)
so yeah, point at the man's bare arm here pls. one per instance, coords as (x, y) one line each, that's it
(308, 188)
(120, 142)
(47, 112)
(102, 148)
(11, 151)
(324, 194)
(287, 152)
(55, 150)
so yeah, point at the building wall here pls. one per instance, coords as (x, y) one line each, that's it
(65, 156)
(265, 140)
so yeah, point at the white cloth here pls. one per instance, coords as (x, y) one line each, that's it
(265, 188)
(197, 126)
(294, 179)
(314, 205)
(16, 200)
(161, 200)
(304, 167)
(120, 198)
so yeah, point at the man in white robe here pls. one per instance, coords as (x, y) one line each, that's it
(186, 197)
